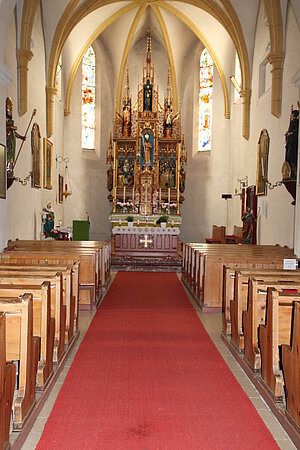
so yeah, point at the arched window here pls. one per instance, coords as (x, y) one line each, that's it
(88, 100)
(205, 100)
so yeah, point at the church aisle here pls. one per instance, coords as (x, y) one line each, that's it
(160, 385)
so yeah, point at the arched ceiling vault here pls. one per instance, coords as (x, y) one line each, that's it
(227, 13)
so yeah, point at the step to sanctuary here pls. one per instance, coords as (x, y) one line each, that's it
(146, 264)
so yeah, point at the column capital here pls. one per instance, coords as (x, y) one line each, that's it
(276, 59)
(24, 56)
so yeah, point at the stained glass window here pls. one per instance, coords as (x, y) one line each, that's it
(205, 100)
(88, 100)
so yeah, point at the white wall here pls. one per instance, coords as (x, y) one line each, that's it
(277, 225)
(88, 168)
(206, 172)
(24, 203)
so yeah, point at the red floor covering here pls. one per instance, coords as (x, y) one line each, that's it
(147, 376)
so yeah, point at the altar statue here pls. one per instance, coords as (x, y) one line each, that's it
(147, 150)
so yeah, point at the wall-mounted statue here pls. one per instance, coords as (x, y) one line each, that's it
(291, 142)
(11, 137)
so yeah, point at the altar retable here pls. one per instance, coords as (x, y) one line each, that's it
(146, 170)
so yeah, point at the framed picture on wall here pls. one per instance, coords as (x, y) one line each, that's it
(2, 171)
(262, 163)
(36, 149)
(60, 188)
(48, 164)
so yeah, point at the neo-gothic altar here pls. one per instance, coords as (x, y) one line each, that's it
(146, 164)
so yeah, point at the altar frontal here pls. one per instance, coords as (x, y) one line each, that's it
(146, 161)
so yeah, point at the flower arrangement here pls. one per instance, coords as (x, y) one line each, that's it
(173, 208)
(164, 207)
(125, 206)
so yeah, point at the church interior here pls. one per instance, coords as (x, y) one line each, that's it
(149, 224)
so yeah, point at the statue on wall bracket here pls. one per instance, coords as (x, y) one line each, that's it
(289, 167)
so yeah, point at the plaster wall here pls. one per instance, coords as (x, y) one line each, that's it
(276, 214)
(88, 167)
(206, 172)
(24, 203)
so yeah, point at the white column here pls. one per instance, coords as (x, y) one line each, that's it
(5, 78)
(296, 82)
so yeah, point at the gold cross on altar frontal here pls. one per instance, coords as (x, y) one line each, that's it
(146, 241)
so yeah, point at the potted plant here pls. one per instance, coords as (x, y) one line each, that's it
(130, 221)
(162, 221)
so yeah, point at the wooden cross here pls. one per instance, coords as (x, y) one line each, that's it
(146, 241)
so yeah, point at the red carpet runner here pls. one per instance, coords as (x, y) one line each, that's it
(147, 376)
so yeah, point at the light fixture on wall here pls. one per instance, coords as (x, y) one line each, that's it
(235, 84)
(67, 191)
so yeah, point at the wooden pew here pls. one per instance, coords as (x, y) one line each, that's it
(291, 370)
(275, 332)
(68, 298)
(7, 385)
(88, 267)
(240, 301)
(103, 249)
(218, 235)
(21, 346)
(21, 263)
(58, 309)
(43, 324)
(209, 268)
(230, 281)
(236, 236)
(256, 315)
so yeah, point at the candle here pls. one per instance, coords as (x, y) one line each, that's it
(169, 195)
(124, 194)
(133, 194)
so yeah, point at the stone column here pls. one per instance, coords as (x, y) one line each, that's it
(276, 60)
(50, 96)
(24, 56)
(296, 82)
(246, 95)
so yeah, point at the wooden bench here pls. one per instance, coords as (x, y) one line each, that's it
(43, 324)
(73, 269)
(21, 346)
(7, 386)
(291, 369)
(203, 267)
(58, 309)
(103, 249)
(229, 276)
(240, 301)
(256, 315)
(218, 235)
(88, 268)
(68, 298)
(275, 332)
(236, 236)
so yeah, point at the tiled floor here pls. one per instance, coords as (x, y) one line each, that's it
(212, 324)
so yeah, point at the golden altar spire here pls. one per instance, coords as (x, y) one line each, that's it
(149, 69)
(127, 87)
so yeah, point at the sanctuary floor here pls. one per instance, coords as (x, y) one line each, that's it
(212, 324)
